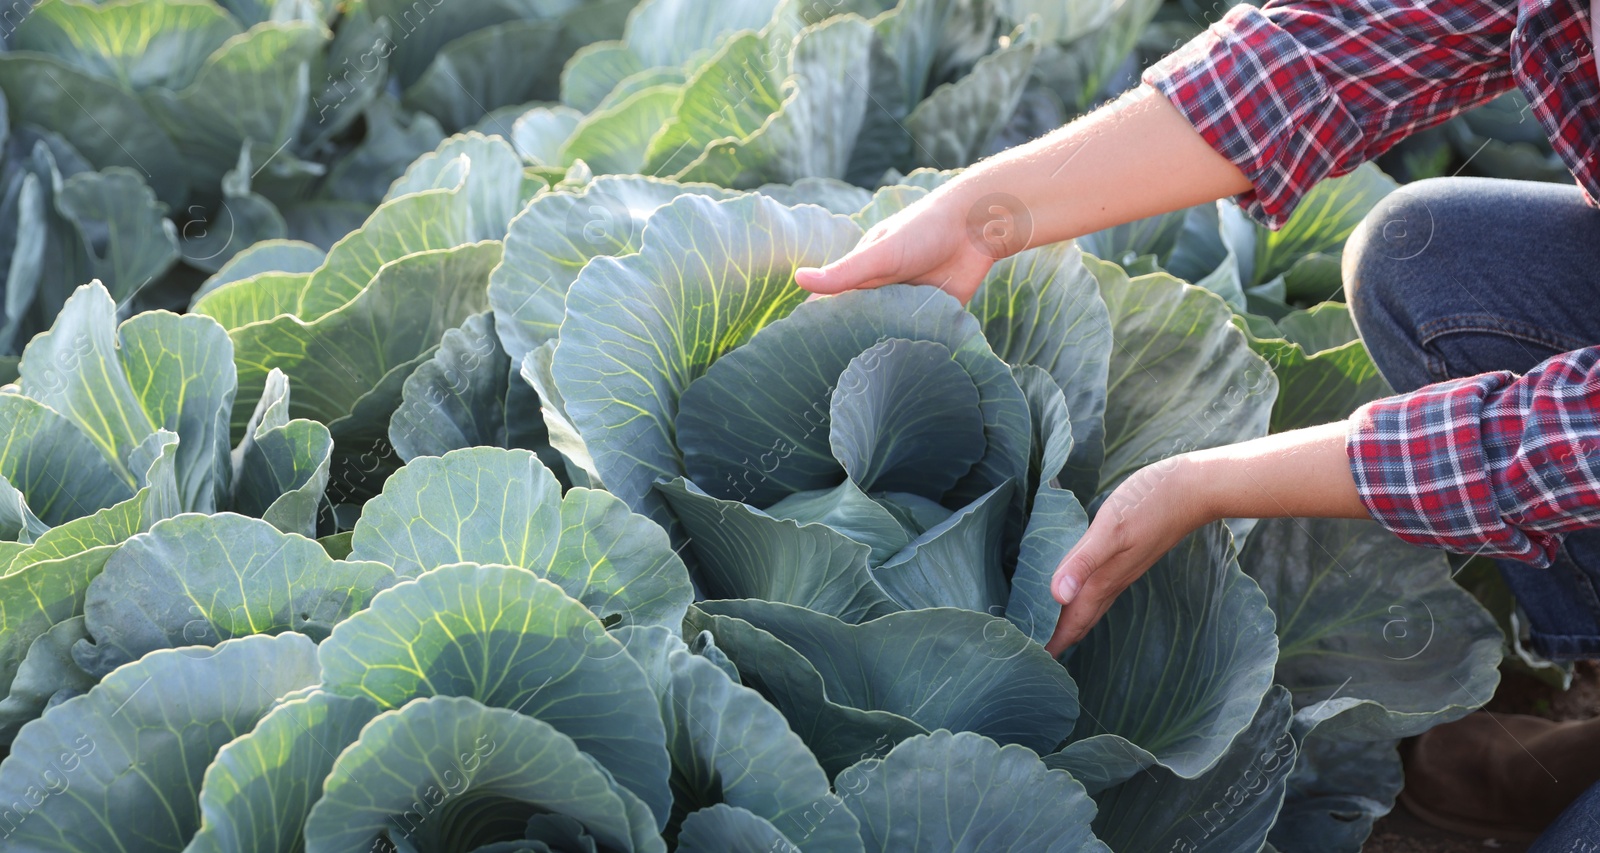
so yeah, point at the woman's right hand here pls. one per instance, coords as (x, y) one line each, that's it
(929, 243)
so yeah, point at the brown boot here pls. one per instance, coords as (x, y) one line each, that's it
(1500, 775)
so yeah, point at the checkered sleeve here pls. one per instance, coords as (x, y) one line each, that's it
(1299, 90)
(1493, 464)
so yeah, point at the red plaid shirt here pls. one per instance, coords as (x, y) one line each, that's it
(1494, 464)
(1299, 90)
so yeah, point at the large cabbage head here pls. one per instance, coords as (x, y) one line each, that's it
(873, 452)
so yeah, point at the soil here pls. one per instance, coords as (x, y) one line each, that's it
(1399, 832)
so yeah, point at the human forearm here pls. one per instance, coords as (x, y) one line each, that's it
(1301, 473)
(1304, 473)
(1134, 158)
(1131, 159)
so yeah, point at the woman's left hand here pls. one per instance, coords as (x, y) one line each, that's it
(1300, 473)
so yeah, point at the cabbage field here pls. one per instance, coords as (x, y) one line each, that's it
(415, 441)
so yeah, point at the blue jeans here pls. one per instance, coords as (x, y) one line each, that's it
(1577, 830)
(1452, 277)
(1456, 276)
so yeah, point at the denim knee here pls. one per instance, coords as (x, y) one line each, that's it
(1455, 276)
(1387, 283)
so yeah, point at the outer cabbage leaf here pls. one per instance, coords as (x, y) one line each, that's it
(957, 122)
(594, 72)
(257, 793)
(250, 93)
(832, 195)
(509, 639)
(1376, 640)
(851, 691)
(178, 370)
(54, 472)
(127, 784)
(806, 118)
(338, 359)
(281, 467)
(489, 505)
(540, 132)
(50, 258)
(729, 829)
(108, 124)
(671, 32)
(23, 221)
(730, 748)
(1220, 248)
(614, 139)
(931, 40)
(202, 579)
(730, 97)
(559, 430)
(891, 198)
(139, 45)
(456, 195)
(290, 256)
(1324, 373)
(119, 386)
(1229, 808)
(555, 235)
(1181, 378)
(1155, 236)
(1338, 790)
(1319, 225)
(660, 34)
(113, 224)
(44, 584)
(46, 677)
(118, 390)
(1175, 669)
(459, 398)
(644, 326)
(990, 798)
(477, 773)
(500, 65)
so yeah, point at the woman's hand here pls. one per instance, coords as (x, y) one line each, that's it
(1300, 473)
(1144, 518)
(1135, 157)
(927, 243)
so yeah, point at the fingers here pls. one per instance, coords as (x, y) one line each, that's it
(1090, 576)
(1074, 587)
(871, 265)
(1079, 618)
(1061, 638)
(1092, 552)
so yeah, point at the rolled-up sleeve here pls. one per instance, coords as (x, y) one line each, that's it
(1297, 91)
(1494, 464)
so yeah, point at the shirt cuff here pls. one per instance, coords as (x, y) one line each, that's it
(1422, 471)
(1257, 97)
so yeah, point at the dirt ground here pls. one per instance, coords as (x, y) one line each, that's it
(1399, 832)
